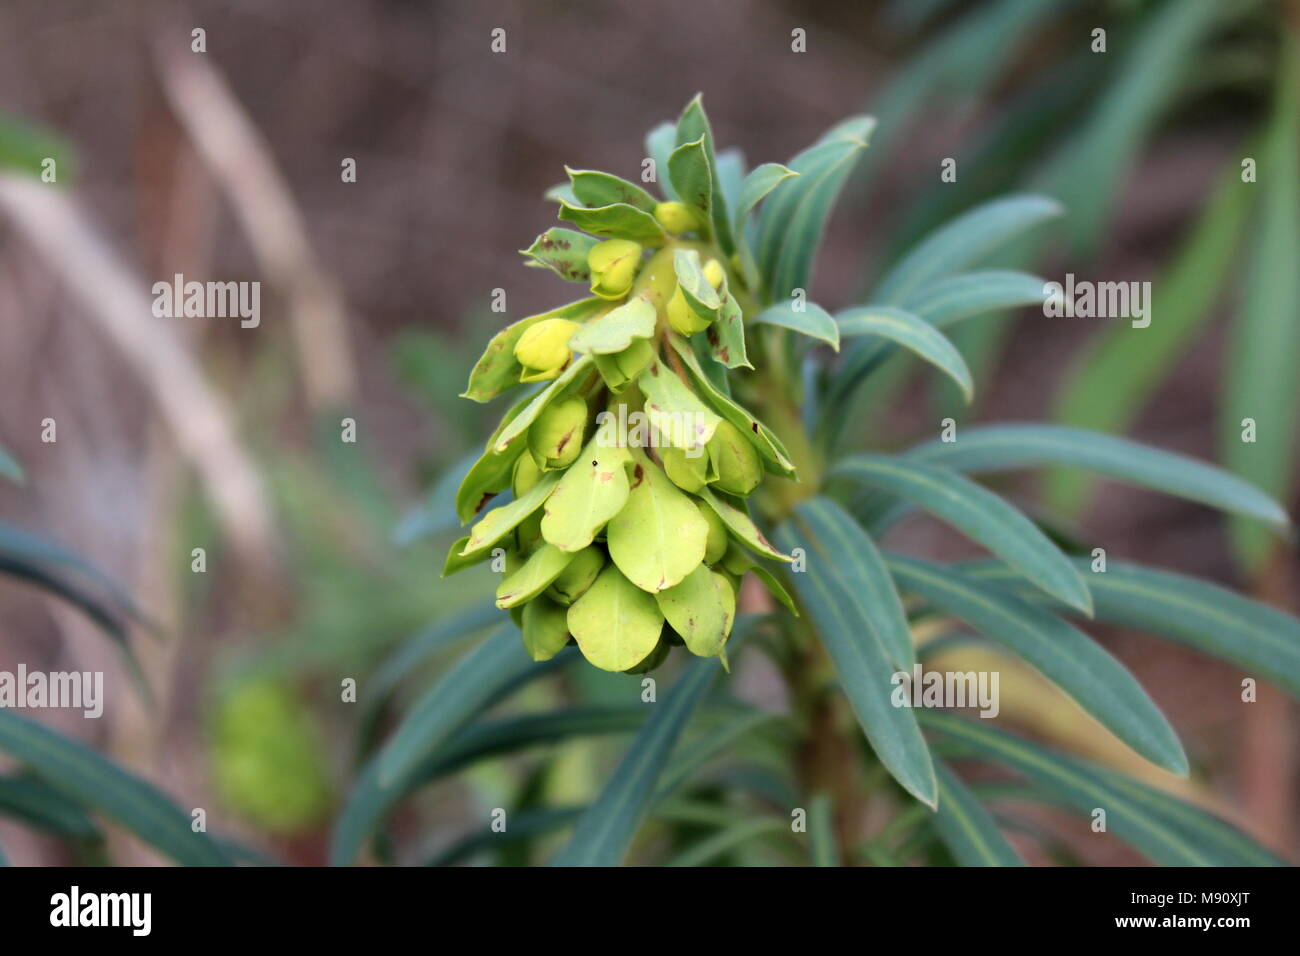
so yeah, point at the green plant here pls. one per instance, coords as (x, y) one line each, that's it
(701, 309)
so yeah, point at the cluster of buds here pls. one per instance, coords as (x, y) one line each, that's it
(627, 530)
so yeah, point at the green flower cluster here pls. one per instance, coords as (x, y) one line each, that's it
(628, 530)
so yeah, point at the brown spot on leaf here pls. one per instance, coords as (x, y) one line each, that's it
(725, 354)
(754, 427)
(487, 496)
(638, 474)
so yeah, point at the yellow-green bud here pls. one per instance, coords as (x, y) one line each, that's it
(682, 317)
(677, 217)
(543, 349)
(734, 460)
(578, 575)
(555, 438)
(716, 546)
(714, 273)
(686, 472)
(614, 265)
(525, 475)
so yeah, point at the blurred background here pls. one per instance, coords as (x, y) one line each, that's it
(320, 555)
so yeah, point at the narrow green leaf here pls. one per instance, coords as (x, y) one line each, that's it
(1114, 375)
(821, 832)
(1060, 652)
(413, 653)
(966, 827)
(1260, 382)
(604, 832)
(979, 514)
(1000, 447)
(912, 333)
(1163, 828)
(445, 707)
(525, 825)
(851, 556)
(39, 805)
(97, 783)
(806, 318)
(1090, 166)
(1260, 639)
(727, 839)
(758, 184)
(792, 221)
(963, 242)
(863, 665)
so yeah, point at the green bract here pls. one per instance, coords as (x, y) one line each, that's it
(626, 530)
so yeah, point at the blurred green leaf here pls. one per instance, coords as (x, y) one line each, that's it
(449, 704)
(39, 805)
(1163, 828)
(605, 830)
(1063, 654)
(1114, 375)
(861, 661)
(1260, 380)
(25, 146)
(9, 468)
(967, 828)
(1088, 169)
(1001, 447)
(978, 513)
(792, 220)
(96, 782)
(850, 558)
(963, 242)
(821, 832)
(728, 838)
(1258, 638)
